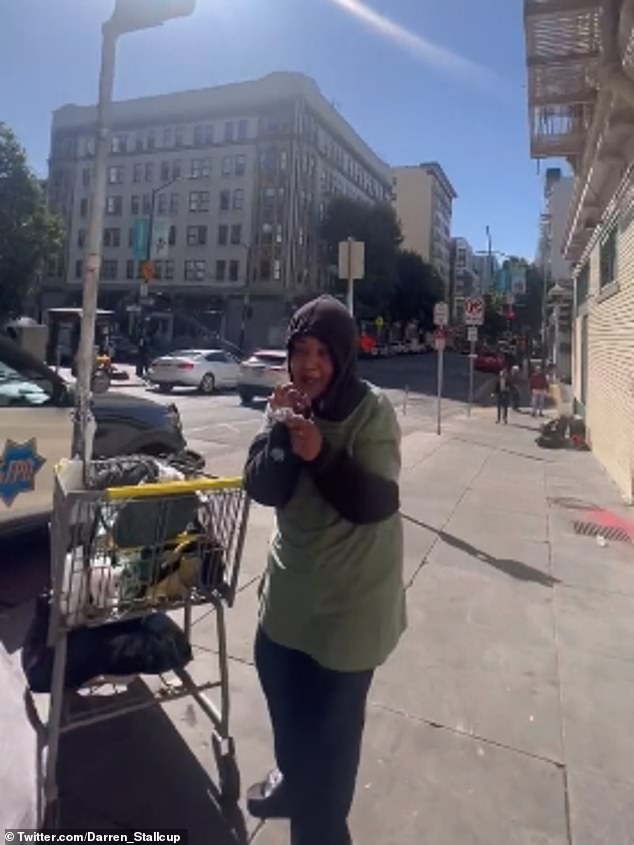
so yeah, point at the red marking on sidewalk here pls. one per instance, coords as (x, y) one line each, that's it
(607, 519)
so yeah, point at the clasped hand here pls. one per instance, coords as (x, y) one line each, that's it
(306, 439)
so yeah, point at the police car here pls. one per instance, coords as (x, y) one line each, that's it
(36, 426)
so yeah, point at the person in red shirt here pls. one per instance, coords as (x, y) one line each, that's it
(538, 384)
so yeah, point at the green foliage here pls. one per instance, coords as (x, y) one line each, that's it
(28, 233)
(398, 285)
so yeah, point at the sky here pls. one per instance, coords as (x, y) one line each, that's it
(419, 80)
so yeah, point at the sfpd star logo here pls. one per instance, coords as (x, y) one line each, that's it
(19, 464)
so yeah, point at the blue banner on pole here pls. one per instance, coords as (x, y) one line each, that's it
(140, 237)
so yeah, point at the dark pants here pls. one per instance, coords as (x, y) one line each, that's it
(503, 407)
(317, 717)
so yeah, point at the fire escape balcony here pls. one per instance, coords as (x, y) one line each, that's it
(564, 49)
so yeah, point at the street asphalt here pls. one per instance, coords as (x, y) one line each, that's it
(504, 716)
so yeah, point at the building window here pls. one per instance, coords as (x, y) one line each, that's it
(115, 175)
(179, 139)
(278, 233)
(130, 267)
(177, 169)
(265, 270)
(223, 234)
(225, 200)
(277, 270)
(85, 177)
(81, 238)
(608, 269)
(229, 131)
(119, 144)
(112, 237)
(267, 233)
(240, 165)
(171, 237)
(227, 166)
(174, 203)
(135, 204)
(165, 171)
(283, 160)
(221, 268)
(168, 136)
(196, 235)
(139, 142)
(151, 139)
(203, 135)
(195, 271)
(238, 198)
(114, 205)
(137, 175)
(158, 269)
(200, 168)
(236, 235)
(199, 201)
(583, 284)
(243, 130)
(79, 269)
(149, 171)
(109, 269)
(234, 271)
(169, 269)
(163, 203)
(147, 204)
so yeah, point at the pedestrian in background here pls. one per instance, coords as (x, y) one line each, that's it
(502, 393)
(332, 598)
(538, 384)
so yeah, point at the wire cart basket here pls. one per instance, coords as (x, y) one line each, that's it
(138, 553)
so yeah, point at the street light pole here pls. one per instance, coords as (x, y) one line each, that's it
(83, 427)
(246, 298)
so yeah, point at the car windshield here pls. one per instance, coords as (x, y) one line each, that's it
(21, 388)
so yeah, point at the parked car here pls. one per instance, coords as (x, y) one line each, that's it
(262, 373)
(36, 428)
(489, 362)
(206, 370)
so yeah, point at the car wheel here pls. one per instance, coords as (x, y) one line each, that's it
(165, 388)
(245, 398)
(208, 384)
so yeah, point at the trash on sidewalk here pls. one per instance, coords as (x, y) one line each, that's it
(565, 432)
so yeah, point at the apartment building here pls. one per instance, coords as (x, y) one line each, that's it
(556, 269)
(465, 281)
(586, 116)
(423, 198)
(486, 268)
(237, 177)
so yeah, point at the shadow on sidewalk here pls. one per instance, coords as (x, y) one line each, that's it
(136, 772)
(513, 568)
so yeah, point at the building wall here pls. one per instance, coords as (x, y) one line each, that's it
(559, 209)
(609, 308)
(423, 199)
(413, 203)
(268, 156)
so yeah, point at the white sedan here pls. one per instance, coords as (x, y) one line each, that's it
(206, 370)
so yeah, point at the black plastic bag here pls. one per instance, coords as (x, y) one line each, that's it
(150, 645)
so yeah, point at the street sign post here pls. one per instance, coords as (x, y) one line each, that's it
(474, 311)
(351, 265)
(472, 337)
(440, 342)
(441, 314)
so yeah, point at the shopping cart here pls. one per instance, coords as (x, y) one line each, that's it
(136, 553)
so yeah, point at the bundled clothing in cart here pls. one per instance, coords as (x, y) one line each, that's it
(332, 597)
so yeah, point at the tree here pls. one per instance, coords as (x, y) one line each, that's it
(378, 227)
(28, 232)
(419, 287)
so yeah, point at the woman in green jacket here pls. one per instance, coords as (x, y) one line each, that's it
(332, 598)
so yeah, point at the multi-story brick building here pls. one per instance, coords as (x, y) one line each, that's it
(239, 177)
(581, 99)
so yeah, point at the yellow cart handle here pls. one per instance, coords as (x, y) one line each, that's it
(173, 488)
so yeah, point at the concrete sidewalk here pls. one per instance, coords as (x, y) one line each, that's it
(504, 718)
